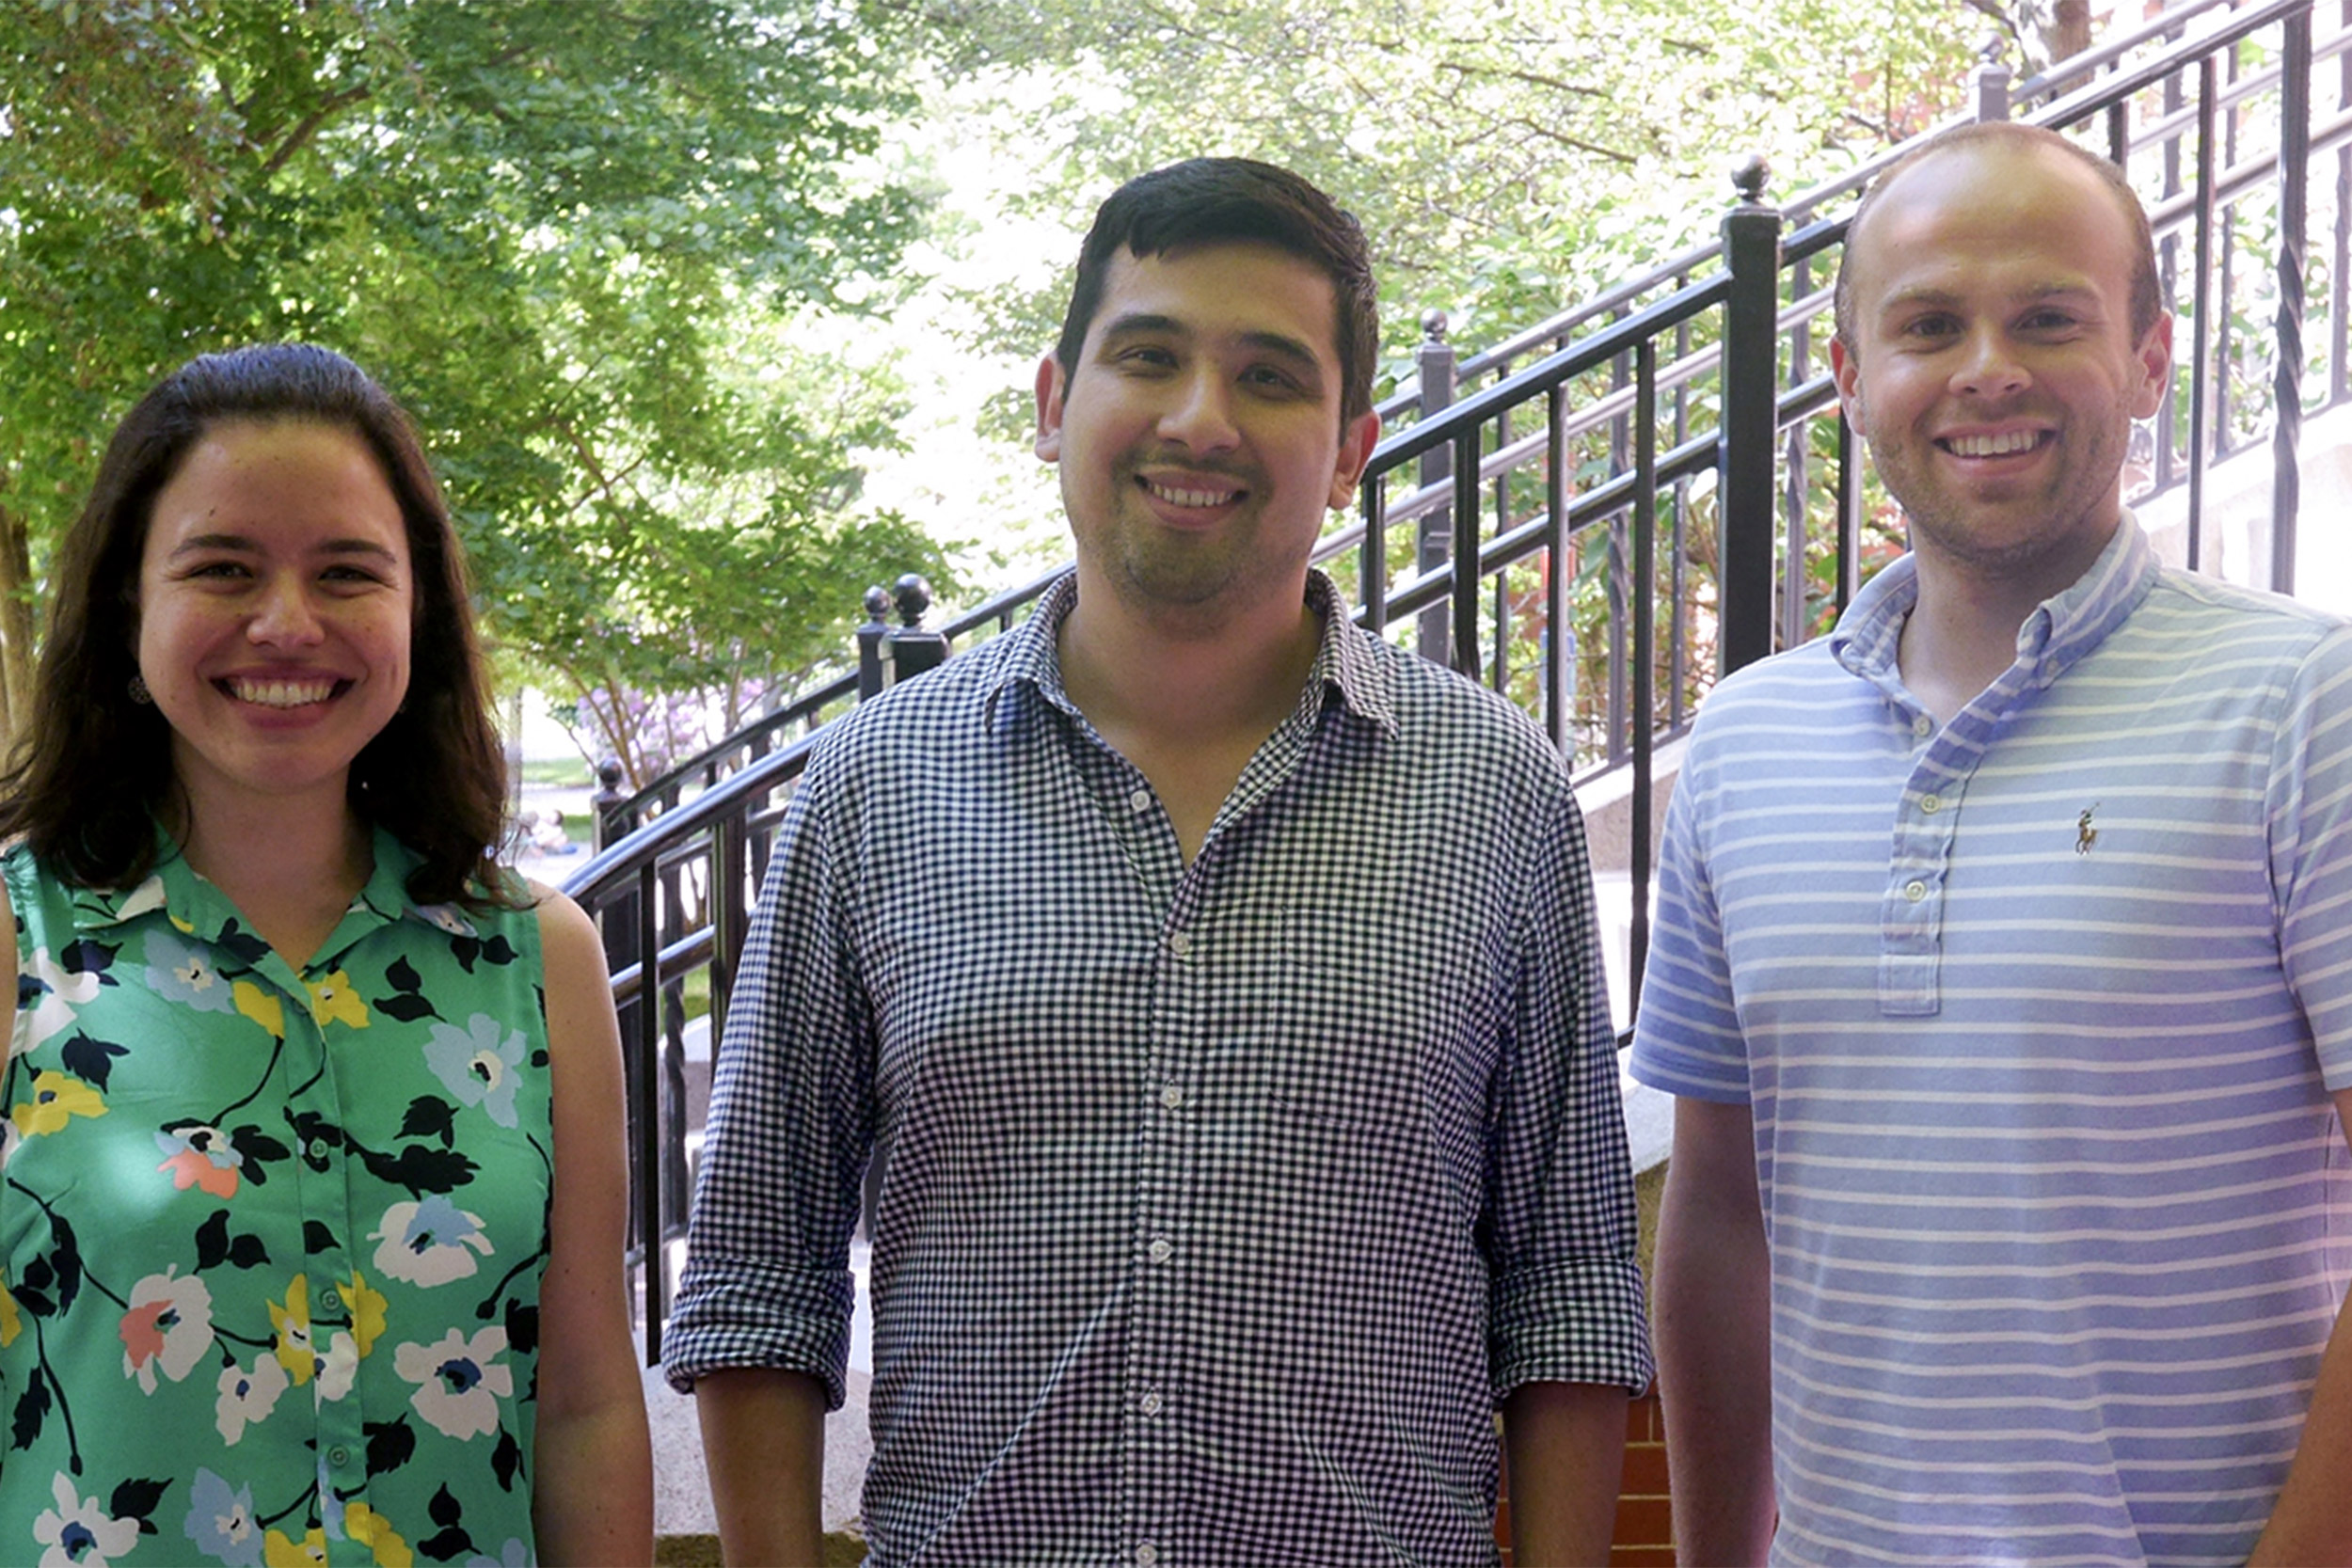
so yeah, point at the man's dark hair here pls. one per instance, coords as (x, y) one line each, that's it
(2147, 294)
(93, 771)
(1223, 200)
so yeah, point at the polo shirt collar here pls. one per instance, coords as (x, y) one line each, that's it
(2062, 630)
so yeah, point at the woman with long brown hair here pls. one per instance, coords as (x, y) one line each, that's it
(312, 1220)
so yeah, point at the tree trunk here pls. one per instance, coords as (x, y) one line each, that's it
(16, 625)
(2069, 32)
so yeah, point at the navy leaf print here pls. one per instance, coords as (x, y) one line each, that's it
(211, 1241)
(390, 1445)
(405, 1008)
(506, 1460)
(522, 1325)
(420, 1169)
(430, 1118)
(136, 1499)
(91, 1060)
(30, 1408)
(88, 958)
(317, 1238)
(68, 1256)
(243, 945)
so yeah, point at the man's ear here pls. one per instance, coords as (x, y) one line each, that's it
(1847, 371)
(1051, 383)
(2154, 359)
(1356, 444)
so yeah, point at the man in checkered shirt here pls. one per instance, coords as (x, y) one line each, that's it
(1226, 987)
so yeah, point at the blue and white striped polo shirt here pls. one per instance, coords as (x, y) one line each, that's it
(2037, 1014)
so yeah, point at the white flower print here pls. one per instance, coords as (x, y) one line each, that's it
(337, 1367)
(62, 996)
(447, 918)
(246, 1396)
(428, 1243)
(77, 1532)
(458, 1381)
(168, 1324)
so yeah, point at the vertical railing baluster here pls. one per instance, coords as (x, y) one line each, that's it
(1745, 462)
(1436, 360)
(2295, 145)
(1465, 583)
(2338, 285)
(648, 1074)
(1796, 488)
(1371, 559)
(1559, 636)
(1645, 652)
(2201, 292)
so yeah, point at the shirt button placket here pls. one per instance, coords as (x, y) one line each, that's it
(324, 1202)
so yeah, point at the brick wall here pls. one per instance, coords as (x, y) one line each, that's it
(1645, 1536)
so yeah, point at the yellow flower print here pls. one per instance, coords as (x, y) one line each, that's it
(261, 1008)
(335, 1000)
(11, 1322)
(57, 1100)
(278, 1551)
(370, 1528)
(367, 1311)
(293, 1324)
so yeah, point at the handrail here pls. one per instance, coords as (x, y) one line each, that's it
(1576, 469)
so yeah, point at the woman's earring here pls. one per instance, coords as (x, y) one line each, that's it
(139, 690)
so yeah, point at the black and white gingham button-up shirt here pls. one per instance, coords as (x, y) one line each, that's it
(1222, 1200)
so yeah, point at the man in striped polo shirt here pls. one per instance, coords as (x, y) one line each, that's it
(2003, 969)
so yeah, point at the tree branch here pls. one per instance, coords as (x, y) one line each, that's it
(300, 135)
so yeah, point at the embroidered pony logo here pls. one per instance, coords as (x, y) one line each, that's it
(2085, 835)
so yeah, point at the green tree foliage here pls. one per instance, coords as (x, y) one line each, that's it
(552, 227)
(1508, 157)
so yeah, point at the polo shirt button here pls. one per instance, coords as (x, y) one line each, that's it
(1150, 1405)
(1139, 801)
(1915, 891)
(1146, 1555)
(1171, 1097)
(1162, 1250)
(1181, 944)
(330, 1298)
(315, 1148)
(1930, 804)
(1921, 725)
(338, 1456)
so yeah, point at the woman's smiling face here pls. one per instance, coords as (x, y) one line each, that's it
(275, 609)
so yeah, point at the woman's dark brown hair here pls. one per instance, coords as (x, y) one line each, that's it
(92, 772)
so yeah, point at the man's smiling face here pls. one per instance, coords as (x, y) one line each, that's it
(1991, 361)
(1199, 434)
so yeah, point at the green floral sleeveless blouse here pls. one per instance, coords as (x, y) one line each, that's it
(270, 1244)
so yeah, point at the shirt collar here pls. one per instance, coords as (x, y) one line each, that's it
(1347, 665)
(203, 911)
(2062, 629)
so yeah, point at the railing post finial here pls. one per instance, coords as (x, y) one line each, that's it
(1749, 175)
(1434, 323)
(907, 649)
(1988, 85)
(871, 679)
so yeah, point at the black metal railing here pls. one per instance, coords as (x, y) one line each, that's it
(1605, 511)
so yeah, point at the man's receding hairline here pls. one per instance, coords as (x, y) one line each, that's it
(1994, 147)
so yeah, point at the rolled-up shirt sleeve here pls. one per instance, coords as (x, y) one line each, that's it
(767, 1281)
(1567, 1302)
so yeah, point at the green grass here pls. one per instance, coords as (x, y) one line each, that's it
(569, 771)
